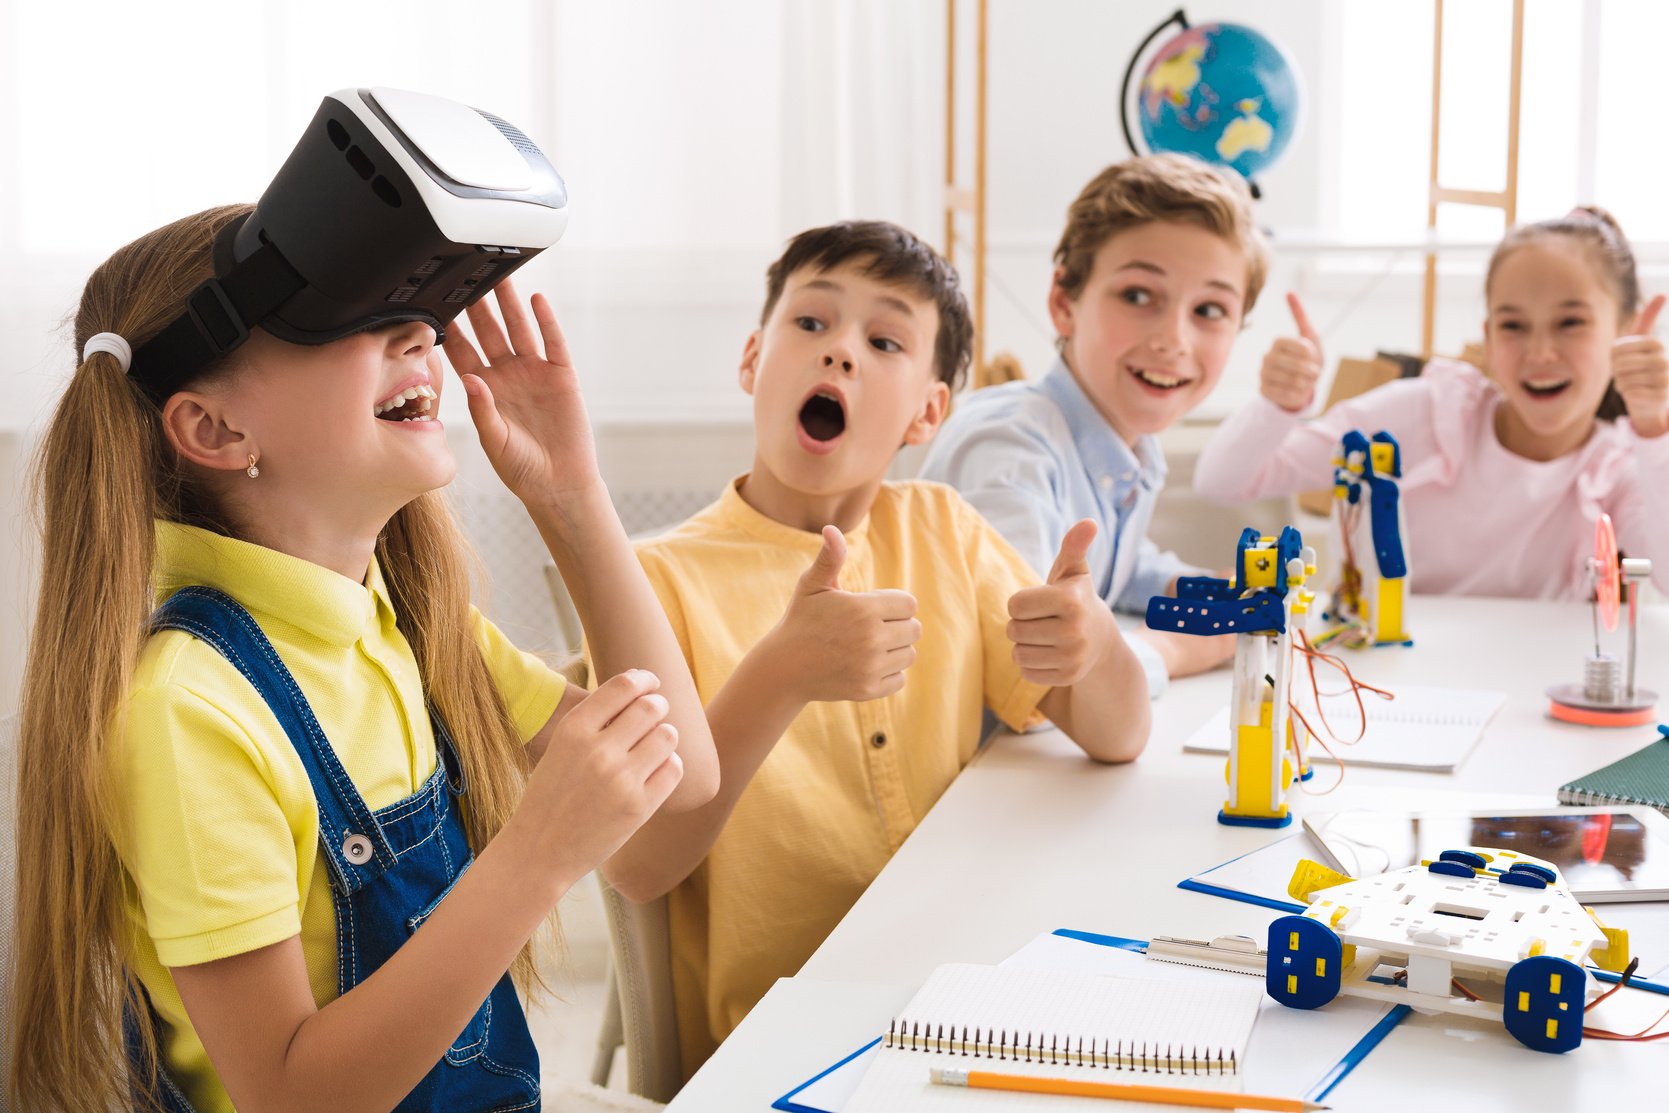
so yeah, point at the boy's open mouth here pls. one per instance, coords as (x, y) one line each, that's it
(1158, 380)
(1546, 389)
(411, 404)
(823, 416)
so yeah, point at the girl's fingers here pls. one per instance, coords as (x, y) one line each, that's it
(516, 321)
(461, 353)
(556, 345)
(494, 344)
(489, 425)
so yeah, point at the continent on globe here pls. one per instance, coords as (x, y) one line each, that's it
(1172, 78)
(1250, 132)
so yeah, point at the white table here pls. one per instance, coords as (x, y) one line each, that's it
(1032, 837)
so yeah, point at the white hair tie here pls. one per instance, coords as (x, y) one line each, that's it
(108, 342)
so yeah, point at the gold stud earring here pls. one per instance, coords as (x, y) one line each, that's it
(252, 471)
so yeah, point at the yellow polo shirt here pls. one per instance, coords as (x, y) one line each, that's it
(218, 828)
(848, 781)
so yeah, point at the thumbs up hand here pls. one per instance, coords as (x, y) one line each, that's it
(1292, 366)
(844, 645)
(1640, 372)
(1061, 629)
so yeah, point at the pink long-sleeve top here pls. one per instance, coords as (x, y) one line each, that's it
(1481, 520)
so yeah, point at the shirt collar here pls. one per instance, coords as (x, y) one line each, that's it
(1101, 449)
(734, 511)
(268, 583)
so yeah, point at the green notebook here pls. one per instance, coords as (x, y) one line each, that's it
(1640, 778)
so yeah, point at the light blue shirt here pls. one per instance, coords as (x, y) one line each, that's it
(1034, 457)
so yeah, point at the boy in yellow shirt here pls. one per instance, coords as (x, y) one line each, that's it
(846, 633)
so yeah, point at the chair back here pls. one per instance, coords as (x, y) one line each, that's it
(639, 945)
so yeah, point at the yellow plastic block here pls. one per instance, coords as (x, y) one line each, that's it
(1384, 457)
(1614, 957)
(1552, 1029)
(1339, 913)
(1389, 628)
(1292, 941)
(1292, 984)
(1554, 982)
(1321, 967)
(1523, 1001)
(1537, 947)
(1261, 567)
(1308, 877)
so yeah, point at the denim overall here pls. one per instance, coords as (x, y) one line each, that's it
(389, 870)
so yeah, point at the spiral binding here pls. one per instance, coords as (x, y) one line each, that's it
(1054, 1049)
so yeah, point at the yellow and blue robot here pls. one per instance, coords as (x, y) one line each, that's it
(1368, 499)
(1260, 604)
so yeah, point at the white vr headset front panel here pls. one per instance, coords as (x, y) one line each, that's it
(494, 221)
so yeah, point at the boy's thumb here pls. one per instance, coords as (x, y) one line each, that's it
(824, 573)
(1073, 559)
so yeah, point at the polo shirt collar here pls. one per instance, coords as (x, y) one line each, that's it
(1101, 449)
(733, 511)
(270, 584)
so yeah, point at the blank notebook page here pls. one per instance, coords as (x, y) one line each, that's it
(1159, 1032)
(1422, 728)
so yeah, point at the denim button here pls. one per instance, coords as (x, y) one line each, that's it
(356, 849)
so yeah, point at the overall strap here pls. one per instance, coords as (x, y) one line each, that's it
(349, 836)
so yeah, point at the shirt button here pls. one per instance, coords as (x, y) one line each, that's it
(878, 739)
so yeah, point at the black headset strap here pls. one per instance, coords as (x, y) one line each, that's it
(218, 317)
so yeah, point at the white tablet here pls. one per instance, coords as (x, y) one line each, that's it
(1605, 854)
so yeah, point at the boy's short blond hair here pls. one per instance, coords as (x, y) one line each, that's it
(1160, 188)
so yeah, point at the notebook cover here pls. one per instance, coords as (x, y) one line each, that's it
(1640, 778)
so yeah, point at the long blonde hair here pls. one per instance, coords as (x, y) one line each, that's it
(103, 474)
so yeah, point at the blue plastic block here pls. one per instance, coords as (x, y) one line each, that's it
(1543, 1004)
(1542, 872)
(1228, 820)
(1452, 869)
(1524, 878)
(1306, 962)
(1464, 857)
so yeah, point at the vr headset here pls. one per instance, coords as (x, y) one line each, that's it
(394, 206)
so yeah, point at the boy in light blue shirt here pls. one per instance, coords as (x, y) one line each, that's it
(1158, 265)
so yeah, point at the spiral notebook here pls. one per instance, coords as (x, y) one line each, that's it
(1422, 728)
(1056, 1025)
(1640, 778)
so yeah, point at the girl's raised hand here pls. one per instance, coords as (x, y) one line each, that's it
(524, 397)
(1640, 372)
(1292, 366)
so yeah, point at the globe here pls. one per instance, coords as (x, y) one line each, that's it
(1222, 93)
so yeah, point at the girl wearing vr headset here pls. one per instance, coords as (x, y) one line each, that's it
(239, 814)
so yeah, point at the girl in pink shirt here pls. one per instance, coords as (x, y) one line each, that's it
(1504, 474)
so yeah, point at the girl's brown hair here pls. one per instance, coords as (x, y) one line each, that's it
(1609, 251)
(1164, 187)
(103, 474)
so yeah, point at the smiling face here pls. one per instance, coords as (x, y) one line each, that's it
(1148, 334)
(346, 429)
(1552, 322)
(841, 374)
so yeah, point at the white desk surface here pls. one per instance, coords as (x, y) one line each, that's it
(1033, 836)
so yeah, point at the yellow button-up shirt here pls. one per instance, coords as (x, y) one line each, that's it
(218, 828)
(848, 781)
